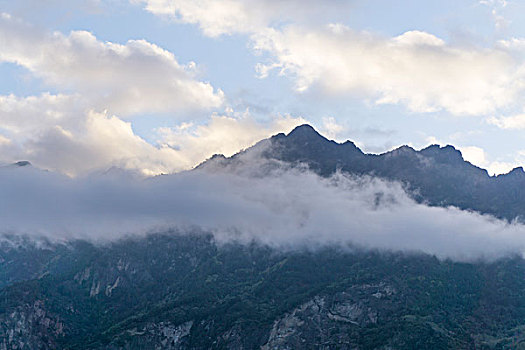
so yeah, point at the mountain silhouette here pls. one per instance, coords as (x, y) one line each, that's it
(435, 175)
(186, 290)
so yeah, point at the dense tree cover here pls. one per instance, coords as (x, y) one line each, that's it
(171, 278)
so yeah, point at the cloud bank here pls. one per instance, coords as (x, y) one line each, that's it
(309, 44)
(227, 17)
(85, 127)
(253, 201)
(137, 77)
(415, 69)
(60, 133)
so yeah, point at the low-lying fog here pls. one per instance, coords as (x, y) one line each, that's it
(270, 203)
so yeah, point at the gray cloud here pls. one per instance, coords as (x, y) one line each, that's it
(265, 202)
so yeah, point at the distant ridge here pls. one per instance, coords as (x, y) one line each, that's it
(22, 163)
(435, 175)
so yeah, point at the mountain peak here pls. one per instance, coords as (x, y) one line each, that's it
(402, 151)
(304, 131)
(444, 154)
(516, 173)
(22, 163)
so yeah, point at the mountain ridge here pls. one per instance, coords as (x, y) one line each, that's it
(184, 290)
(435, 175)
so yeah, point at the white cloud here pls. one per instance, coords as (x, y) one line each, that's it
(478, 156)
(415, 69)
(474, 155)
(331, 128)
(223, 135)
(509, 122)
(61, 133)
(28, 115)
(58, 132)
(498, 168)
(99, 142)
(218, 17)
(284, 208)
(4, 140)
(512, 44)
(496, 8)
(138, 77)
(81, 129)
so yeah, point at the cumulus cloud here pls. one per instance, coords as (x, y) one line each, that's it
(99, 142)
(223, 134)
(219, 17)
(331, 128)
(496, 9)
(478, 156)
(82, 129)
(137, 77)
(516, 121)
(61, 133)
(416, 69)
(269, 203)
(28, 115)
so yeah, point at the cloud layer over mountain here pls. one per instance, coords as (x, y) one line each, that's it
(266, 202)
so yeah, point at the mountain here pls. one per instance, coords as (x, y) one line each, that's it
(438, 176)
(169, 291)
(188, 290)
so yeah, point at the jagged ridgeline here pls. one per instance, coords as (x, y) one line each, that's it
(437, 176)
(183, 290)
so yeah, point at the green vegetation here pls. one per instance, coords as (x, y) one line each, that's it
(174, 279)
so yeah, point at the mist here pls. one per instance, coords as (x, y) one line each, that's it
(270, 203)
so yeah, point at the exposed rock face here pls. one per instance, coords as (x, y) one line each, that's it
(158, 336)
(30, 327)
(185, 292)
(331, 321)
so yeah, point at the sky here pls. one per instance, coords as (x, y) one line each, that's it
(158, 86)
(98, 93)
